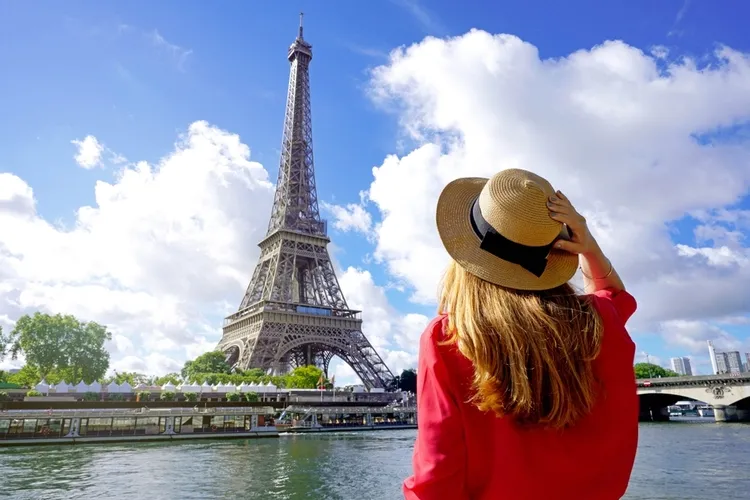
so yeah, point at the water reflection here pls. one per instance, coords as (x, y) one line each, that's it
(675, 460)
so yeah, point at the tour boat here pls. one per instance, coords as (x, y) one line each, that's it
(59, 426)
(308, 418)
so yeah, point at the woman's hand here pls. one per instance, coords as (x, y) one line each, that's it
(581, 241)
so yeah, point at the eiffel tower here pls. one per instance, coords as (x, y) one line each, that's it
(293, 312)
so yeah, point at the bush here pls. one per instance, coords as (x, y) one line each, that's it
(233, 396)
(91, 396)
(191, 396)
(168, 396)
(144, 396)
(34, 394)
(4, 396)
(251, 397)
(116, 397)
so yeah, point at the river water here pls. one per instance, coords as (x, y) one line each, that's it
(676, 460)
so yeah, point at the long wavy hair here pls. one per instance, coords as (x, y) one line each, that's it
(532, 351)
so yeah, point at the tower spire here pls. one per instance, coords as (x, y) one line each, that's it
(301, 15)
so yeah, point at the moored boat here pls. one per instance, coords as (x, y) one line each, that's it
(310, 418)
(71, 426)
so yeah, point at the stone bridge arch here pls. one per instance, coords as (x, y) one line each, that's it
(729, 401)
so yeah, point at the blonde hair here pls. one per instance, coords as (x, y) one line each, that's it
(532, 351)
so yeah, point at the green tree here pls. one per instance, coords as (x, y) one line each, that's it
(168, 396)
(210, 362)
(27, 376)
(251, 397)
(191, 396)
(305, 377)
(650, 370)
(132, 378)
(174, 378)
(63, 343)
(3, 374)
(407, 381)
(251, 374)
(91, 396)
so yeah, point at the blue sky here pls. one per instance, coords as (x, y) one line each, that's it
(136, 75)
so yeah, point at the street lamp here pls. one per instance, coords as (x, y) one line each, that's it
(648, 362)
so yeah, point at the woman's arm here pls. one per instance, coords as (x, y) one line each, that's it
(439, 460)
(598, 272)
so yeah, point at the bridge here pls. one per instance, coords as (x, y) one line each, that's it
(728, 395)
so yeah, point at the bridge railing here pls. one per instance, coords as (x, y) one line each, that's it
(704, 380)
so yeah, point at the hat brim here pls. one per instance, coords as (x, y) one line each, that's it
(462, 243)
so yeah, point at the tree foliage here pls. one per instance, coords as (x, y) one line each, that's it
(132, 378)
(210, 362)
(650, 370)
(407, 381)
(27, 376)
(305, 377)
(63, 344)
(173, 378)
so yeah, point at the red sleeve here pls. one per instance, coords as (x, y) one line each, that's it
(623, 303)
(439, 460)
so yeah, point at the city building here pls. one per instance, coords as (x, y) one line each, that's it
(734, 362)
(722, 362)
(682, 366)
(712, 357)
(747, 361)
(727, 362)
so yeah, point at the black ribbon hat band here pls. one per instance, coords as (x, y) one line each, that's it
(533, 259)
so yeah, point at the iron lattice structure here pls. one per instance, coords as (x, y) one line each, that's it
(294, 312)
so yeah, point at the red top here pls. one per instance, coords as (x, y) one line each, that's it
(462, 453)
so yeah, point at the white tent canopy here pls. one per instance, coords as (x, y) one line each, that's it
(205, 387)
(190, 388)
(42, 387)
(62, 387)
(82, 386)
(169, 387)
(95, 386)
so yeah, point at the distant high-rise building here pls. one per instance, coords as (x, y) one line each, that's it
(722, 362)
(712, 357)
(747, 361)
(682, 366)
(734, 362)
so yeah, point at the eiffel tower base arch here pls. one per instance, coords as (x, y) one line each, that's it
(277, 342)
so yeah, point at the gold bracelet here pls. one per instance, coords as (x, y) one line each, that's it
(611, 269)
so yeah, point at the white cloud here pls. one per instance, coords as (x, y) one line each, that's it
(394, 336)
(691, 336)
(177, 53)
(635, 141)
(156, 258)
(352, 217)
(89, 152)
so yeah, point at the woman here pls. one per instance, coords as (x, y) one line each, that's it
(526, 389)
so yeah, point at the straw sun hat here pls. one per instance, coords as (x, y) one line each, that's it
(500, 230)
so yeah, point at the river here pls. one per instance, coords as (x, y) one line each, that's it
(676, 460)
